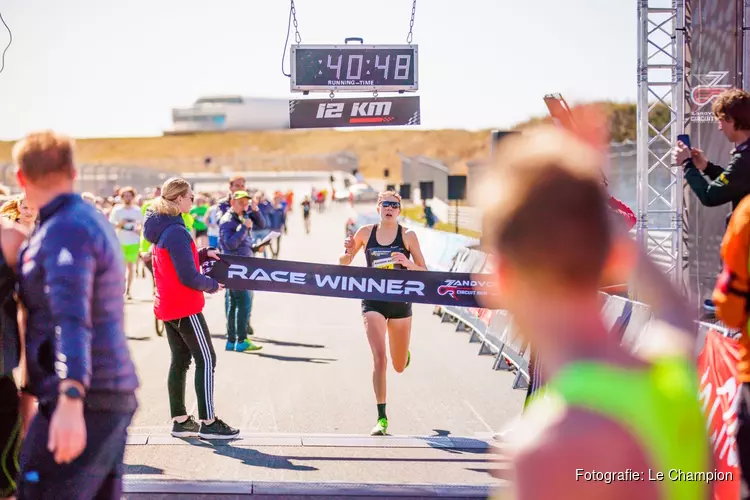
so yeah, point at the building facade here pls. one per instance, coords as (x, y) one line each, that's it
(224, 113)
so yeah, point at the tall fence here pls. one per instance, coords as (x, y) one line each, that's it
(100, 179)
(248, 161)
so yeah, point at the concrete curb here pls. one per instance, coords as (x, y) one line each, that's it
(137, 437)
(134, 485)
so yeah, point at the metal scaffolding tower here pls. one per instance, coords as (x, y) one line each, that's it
(662, 52)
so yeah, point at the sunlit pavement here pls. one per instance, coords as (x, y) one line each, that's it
(305, 402)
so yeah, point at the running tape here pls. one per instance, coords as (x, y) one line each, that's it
(425, 287)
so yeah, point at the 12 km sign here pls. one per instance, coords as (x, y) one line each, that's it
(353, 112)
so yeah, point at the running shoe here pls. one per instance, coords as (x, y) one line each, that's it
(186, 429)
(408, 359)
(230, 346)
(218, 429)
(381, 428)
(247, 347)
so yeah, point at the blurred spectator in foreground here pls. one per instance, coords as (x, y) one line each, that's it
(548, 222)
(71, 284)
(731, 297)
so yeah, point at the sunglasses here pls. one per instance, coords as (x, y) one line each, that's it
(390, 204)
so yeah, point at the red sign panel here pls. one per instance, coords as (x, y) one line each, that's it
(719, 389)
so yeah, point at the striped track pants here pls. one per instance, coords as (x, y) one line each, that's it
(189, 338)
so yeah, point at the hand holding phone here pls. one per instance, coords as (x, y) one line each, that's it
(685, 139)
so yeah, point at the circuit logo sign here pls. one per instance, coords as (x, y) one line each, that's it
(454, 288)
(710, 89)
(705, 93)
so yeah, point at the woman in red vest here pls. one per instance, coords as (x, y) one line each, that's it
(179, 303)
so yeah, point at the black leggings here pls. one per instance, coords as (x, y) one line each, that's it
(10, 435)
(189, 337)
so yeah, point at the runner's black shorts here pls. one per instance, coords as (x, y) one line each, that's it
(389, 310)
(201, 232)
(10, 436)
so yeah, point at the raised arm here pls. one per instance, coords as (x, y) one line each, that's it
(357, 242)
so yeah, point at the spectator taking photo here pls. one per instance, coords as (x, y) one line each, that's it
(730, 184)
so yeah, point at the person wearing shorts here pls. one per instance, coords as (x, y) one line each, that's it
(387, 245)
(128, 219)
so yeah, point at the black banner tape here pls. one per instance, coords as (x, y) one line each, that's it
(306, 278)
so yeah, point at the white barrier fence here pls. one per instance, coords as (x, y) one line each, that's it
(494, 331)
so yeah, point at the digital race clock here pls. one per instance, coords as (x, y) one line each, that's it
(354, 68)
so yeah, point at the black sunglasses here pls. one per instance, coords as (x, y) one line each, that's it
(390, 204)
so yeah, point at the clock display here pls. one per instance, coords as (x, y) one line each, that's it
(354, 68)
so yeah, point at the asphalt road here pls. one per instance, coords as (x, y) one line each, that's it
(305, 402)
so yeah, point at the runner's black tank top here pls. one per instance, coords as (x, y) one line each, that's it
(379, 256)
(10, 342)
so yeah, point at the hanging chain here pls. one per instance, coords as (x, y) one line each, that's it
(410, 36)
(297, 36)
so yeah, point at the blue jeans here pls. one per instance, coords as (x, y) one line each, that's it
(239, 305)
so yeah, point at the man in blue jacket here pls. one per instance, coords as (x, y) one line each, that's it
(235, 238)
(71, 280)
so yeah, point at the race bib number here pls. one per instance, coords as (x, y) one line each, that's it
(386, 263)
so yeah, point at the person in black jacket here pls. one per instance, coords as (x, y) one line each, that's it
(71, 275)
(12, 407)
(730, 184)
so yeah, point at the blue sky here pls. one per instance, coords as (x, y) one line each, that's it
(100, 68)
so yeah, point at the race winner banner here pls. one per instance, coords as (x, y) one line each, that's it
(717, 368)
(424, 287)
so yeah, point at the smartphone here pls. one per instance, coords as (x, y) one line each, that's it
(685, 139)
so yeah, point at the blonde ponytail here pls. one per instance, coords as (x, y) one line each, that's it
(172, 189)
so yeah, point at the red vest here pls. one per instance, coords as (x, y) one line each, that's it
(173, 300)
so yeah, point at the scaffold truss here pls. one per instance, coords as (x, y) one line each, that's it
(661, 82)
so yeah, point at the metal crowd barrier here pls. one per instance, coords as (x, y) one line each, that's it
(495, 332)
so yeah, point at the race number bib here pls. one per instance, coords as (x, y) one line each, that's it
(387, 263)
(382, 259)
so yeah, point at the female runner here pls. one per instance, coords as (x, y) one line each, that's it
(388, 245)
